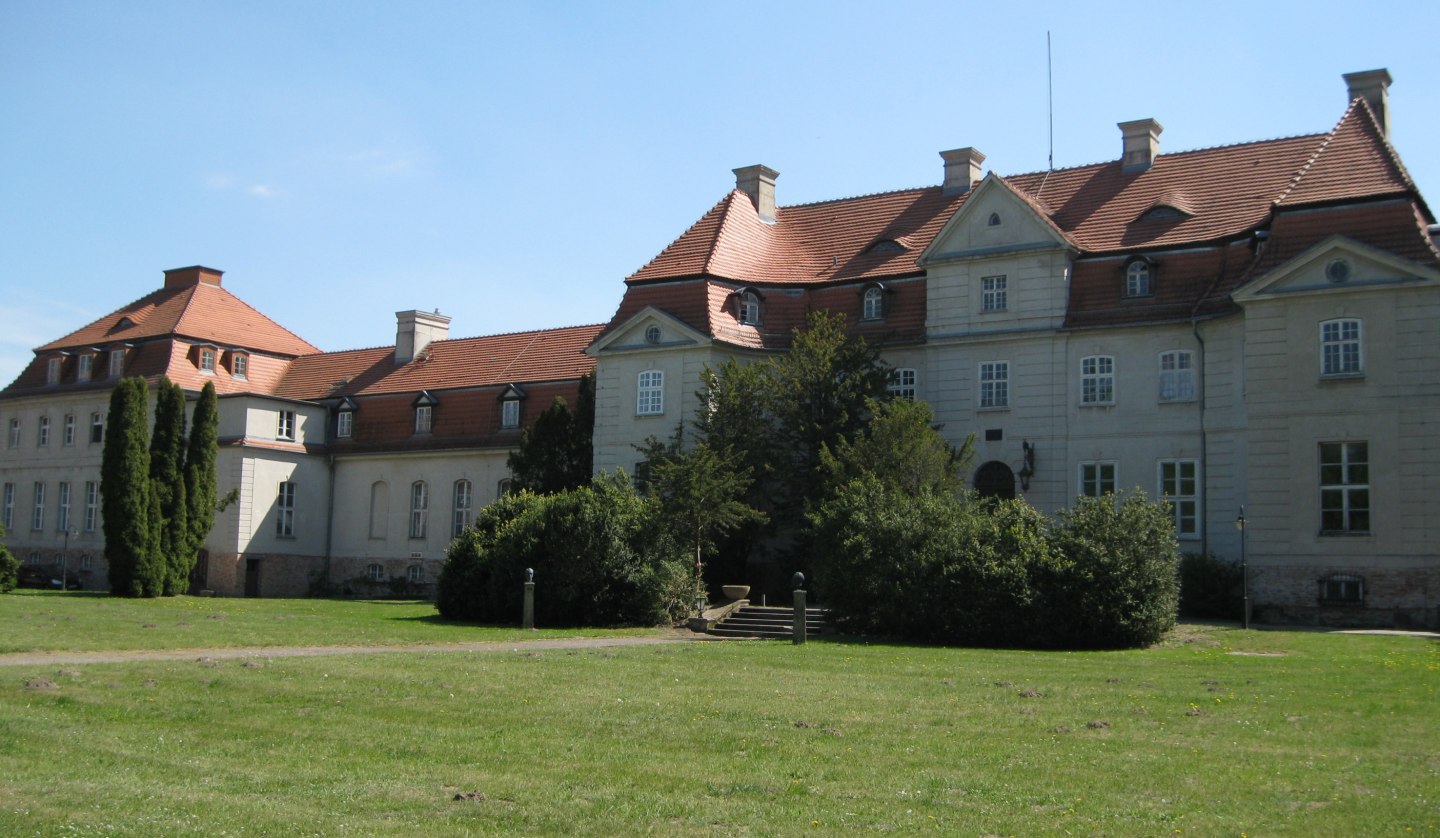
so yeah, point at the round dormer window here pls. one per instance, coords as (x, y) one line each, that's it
(652, 335)
(1338, 270)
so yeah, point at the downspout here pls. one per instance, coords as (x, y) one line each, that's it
(1204, 463)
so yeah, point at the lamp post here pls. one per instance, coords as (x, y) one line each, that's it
(1244, 572)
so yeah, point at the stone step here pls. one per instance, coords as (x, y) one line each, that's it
(768, 622)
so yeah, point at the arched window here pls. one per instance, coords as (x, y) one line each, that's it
(1139, 278)
(995, 480)
(419, 508)
(463, 507)
(874, 307)
(747, 306)
(994, 220)
(503, 488)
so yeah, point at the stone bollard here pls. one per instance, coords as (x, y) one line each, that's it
(528, 620)
(798, 625)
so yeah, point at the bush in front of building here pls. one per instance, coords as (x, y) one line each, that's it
(9, 567)
(1210, 587)
(600, 559)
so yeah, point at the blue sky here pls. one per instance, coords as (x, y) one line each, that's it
(511, 163)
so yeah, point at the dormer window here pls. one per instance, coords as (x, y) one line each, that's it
(873, 303)
(117, 362)
(886, 246)
(125, 323)
(425, 412)
(52, 371)
(345, 418)
(239, 365)
(207, 360)
(82, 368)
(747, 308)
(510, 402)
(1139, 278)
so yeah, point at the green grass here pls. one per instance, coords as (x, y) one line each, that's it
(1216, 732)
(74, 621)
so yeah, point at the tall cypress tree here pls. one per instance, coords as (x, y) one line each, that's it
(167, 478)
(125, 490)
(200, 477)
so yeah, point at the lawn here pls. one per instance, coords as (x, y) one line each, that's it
(1215, 732)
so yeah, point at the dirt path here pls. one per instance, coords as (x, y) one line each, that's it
(243, 652)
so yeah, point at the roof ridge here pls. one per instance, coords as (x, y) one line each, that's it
(861, 196)
(389, 347)
(1310, 163)
(716, 207)
(1180, 153)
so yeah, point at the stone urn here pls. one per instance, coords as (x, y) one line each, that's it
(734, 592)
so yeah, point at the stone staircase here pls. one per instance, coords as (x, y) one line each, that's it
(770, 622)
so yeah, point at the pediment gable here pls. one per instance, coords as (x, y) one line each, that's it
(1338, 265)
(996, 218)
(648, 329)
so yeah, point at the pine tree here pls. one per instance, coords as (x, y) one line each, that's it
(125, 491)
(167, 478)
(200, 479)
(555, 453)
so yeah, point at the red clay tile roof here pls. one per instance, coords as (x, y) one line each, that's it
(1354, 161)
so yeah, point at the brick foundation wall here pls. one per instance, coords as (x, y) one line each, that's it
(1405, 598)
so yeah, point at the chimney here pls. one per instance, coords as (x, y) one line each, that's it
(194, 275)
(759, 183)
(1141, 144)
(414, 330)
(1374, 87)
(962, 169)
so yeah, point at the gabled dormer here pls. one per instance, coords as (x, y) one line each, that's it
(512, 406)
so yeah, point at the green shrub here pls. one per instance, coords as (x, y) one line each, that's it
(9, 567)
(1210, 587)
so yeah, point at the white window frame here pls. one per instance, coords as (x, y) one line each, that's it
(1177, 482)
(1342, 347)
(424, 418)
(117, 362)
(415, 574)
(1097, 380)
(1139, 279)
(344, 423)
(650, 393)
(873, 307)
(83, 367)
(464, 508)
(37, 512)
(503, 488)
(994, 292)
(904, 385)
(747, 308)
(239, 365)
(1177, 376)
(97, 427)
(52, 371)
(510, 414)
(285, 510)
(8, 511)
(1097, 478)
(42, 435)
(1345, 488)
(375, 572)
(207, 360)
(92, 505)
(67, 430)
(994, 379)
(62, 507)
(13, 440)
(285, 425)
(419, 509)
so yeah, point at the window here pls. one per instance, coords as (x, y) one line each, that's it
(207, 360)
(419, 508)
(463, 511)
(993, 293)
(1097, 380)
(748, 308)
(239, 364)
(1340, 348)
(285, 510)
(424, 418)
(375, 573)
(415, 574)
(994, 220)
(7, 512)
(13, 440)
(652, 335)
(1342, 588)
(503, 488)
(97, 427)
(874, 304)
(92, 505)
(117, 362)
(82, 370)
(67, 434)
(62, 515)
(1138, 279)
(344, 423)
(1180, 486)
(1344, 487)
(650, 393)
(52, 371)
(1097, 479)
(1177, 376)
(902, 384)
(43, 437)
(37, 517)
(510, 413)
(285, 425)
(85, 561)
(994, 384)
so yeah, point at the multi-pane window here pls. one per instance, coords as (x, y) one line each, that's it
(510, 413)
(13, 439)
(344, 423)
(207, 360)
(92, 505)
(1344, 487)
(67, 430)
(97, 427)
(415, 574)
(1340, 347)
(52, 371)
(464, 495)
(239, 365)
(82, 370)
(995, 384)
(903, 384)
(37, 516)
(285, 425)
(993, 293)
(1177, 376)
(7, 512)
(285, 510)
(1138, 279)
(503, 488)
(1097, 380)
(375, 572)
(43, 435)
(650, 393)
(117, 362)
(1180, 487)
(1097, 479)
(424, 418)
(874, 308)
(62, 514)
(1343, 588)
(748, 305)
(419, 508)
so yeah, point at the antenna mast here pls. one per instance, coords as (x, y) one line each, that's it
(1050, 91)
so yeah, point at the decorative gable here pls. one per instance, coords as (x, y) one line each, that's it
(995, 219)
(1338, 265)
(648, 329)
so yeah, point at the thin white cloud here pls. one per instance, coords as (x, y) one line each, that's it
(260, 190)
(221, 182)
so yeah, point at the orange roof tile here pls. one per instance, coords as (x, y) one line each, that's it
(1354, 161)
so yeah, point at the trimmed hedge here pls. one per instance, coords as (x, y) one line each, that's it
(1210, 587)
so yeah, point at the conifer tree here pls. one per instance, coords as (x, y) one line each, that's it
(125, 491)
(555, 453)
(167, 478)
(200, 479)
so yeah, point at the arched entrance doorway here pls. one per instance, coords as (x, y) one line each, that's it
(995, 480)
